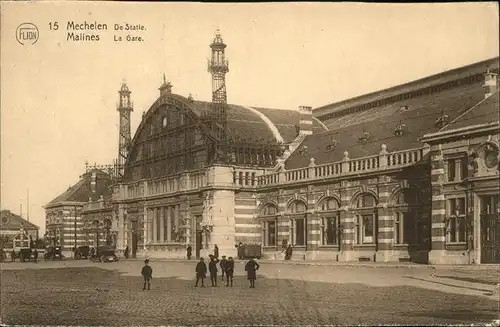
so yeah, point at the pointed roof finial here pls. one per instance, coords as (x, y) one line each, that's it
(164, 79)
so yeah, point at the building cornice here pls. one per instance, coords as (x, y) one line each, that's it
(62, 204)
(460, 132)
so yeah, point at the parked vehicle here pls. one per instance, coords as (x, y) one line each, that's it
(105, 254)
(26, 254)
(82, 252)
(53, 253)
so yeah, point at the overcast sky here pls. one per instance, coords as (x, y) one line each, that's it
(58, 98)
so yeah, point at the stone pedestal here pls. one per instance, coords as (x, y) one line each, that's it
(221, 212)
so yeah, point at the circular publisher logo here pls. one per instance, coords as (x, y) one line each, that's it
(27, 33)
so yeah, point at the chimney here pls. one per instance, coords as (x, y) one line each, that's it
(305, 120)
(93, 182)
(490, 83)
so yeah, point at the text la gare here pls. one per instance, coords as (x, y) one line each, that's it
(128, 27)
(128, 38)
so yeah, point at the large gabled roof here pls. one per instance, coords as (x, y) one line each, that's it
(246, 122)
(81, 191)
(11, 221)
(379, 124)
(440, 78)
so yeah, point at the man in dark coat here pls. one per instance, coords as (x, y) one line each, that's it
(251, 268)
(216, 252)
(189, 252)
(288, 252)
(223, 264)
(147, 273)
(229, 271)
(201, 272)
(212, 268)
(126, 252)
(240, 251)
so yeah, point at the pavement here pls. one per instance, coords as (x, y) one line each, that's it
(86, 293)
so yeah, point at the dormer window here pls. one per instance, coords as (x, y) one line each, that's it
(404, 108)
(442, 120)
(364, 138)
(164, 122)
(331, 145)
(400, 129)
(303, 150)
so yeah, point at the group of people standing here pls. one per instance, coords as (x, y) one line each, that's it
(227, 270)
(226, 266)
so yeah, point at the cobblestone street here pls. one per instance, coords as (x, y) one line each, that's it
(84, 293)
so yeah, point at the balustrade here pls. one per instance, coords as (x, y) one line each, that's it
(258, 178)
(383, 161)
(187, 181)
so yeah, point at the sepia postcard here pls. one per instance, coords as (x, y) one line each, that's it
(291, 163)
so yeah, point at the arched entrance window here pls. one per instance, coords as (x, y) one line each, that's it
(330, 221)
(407, 227)
(365, 207)
(269, 224)
(297, 209)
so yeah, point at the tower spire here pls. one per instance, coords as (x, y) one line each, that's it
(218, 66)
(166, 87)
(125, 107)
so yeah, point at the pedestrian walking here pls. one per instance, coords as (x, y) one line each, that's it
(35, 255)
(189, 252)
(288, 252)
(201, 272)
(216, 252)
(229, 271)
(223, 264)
(251, 268)
(126, 252)
(147, 273)
(212, 268)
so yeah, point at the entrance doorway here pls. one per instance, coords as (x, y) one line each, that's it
(490, 229)
(199, 244)
(490, 238)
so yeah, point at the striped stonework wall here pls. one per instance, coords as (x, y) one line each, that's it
(438, 199)
(346, 219)
(313, 225)
(385, 233)
(247, 226)
(283, 223)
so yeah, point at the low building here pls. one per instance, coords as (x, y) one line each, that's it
(12, 225)
(63, 215)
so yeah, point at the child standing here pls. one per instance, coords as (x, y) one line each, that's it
(212, 268)
(147, 273)
(229, 271)
(251, 268)
(201, 272)
(223, 264)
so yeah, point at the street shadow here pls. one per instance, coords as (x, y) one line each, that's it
(471, 280)
(447, 284)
